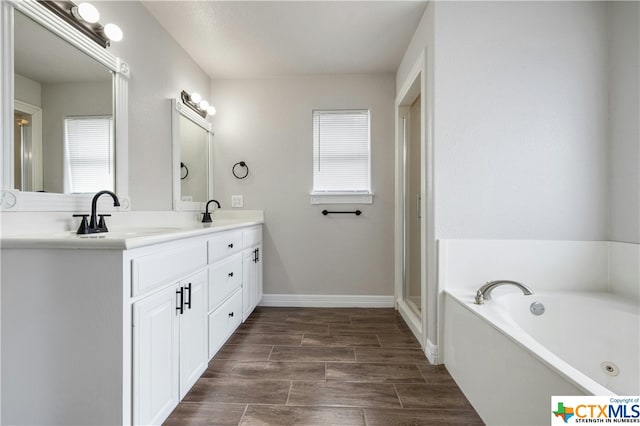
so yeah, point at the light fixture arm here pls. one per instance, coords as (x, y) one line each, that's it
(69, 12)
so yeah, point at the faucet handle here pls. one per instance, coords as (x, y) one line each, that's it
(84, 226)
(102, 225)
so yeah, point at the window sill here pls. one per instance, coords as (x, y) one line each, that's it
(341, 198)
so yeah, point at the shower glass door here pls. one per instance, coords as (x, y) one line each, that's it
(412, 208)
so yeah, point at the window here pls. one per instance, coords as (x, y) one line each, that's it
(341, 157)
(89, 162)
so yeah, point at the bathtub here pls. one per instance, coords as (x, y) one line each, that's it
(509, 362)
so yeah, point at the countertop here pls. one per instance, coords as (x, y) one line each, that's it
(123, 238)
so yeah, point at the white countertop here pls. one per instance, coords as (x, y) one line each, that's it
(123, 238)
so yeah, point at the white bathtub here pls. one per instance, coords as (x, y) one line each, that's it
(510, 362)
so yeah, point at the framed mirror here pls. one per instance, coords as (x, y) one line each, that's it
(192, 158)
(63, 113)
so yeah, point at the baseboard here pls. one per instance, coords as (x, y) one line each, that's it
(327, 301)
(431, 351)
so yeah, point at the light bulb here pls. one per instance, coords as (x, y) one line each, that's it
(203, 105)
(113, 32)
(86, 12)
(211, 110)
(195, 98)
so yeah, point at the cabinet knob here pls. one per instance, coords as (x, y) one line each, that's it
(230, 274)
(230, 245)
(230, 314)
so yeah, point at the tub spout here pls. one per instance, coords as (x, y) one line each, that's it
(484, 292)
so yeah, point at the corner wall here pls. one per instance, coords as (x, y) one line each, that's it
(268, 124)
(624, 110)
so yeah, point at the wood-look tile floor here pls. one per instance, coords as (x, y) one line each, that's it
(316, 366)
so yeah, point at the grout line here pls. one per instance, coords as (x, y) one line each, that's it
(422, 374)
(270, 352)
(286, 403)
(246, 407)
(398, 395)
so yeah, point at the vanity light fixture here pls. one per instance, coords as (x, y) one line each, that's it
(84, 17)
(113, 32)
(86, 12)
(196, 103)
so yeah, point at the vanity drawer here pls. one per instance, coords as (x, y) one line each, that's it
(223, 322)
(252, 236)
(224, 278)
(152, 270)
(224, 244)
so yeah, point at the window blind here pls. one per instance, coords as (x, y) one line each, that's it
(89, 154)
(341, 151)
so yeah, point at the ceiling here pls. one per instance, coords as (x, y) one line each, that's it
(244, 39)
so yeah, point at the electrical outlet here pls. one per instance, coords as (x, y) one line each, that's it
(237, 201)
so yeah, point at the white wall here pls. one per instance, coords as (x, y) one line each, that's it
(160, 70)
(521, 129)
(519, 118)
(267, 123)
(27, 90)
(624, 109)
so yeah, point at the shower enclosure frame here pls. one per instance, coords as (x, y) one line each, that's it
(423, 325)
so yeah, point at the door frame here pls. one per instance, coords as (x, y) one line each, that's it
(36, 141)
(416, 84)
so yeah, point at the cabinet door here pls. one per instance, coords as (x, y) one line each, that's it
(193, 331)
(248, 282)
(155, 357)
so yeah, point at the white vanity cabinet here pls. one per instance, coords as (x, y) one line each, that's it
(252, 270)
(113, 331)
(169, 347)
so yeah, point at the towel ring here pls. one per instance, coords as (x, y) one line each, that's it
(183, 166)
(241, 164)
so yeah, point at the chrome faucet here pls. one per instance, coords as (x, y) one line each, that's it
(206, 216)
(484, 292)
(96, 225)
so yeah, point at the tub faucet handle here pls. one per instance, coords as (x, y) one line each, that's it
(484, 292)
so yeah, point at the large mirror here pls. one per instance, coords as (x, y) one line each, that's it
(67, 105)
(73, 151)
(192, 158)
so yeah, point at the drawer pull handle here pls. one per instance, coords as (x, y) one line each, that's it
(230, 274)
(180, 307)
(188, 302)
(230, 314)
(230, 245)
